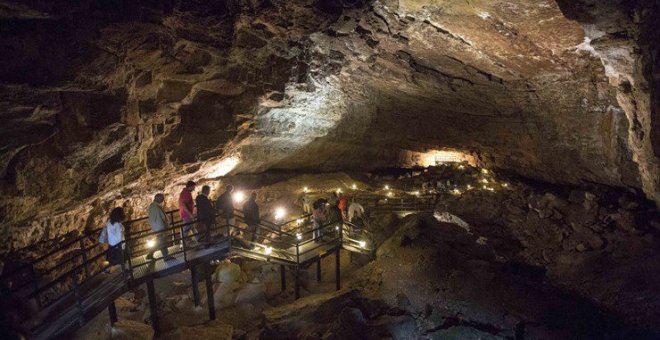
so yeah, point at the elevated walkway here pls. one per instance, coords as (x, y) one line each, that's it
(67, 287)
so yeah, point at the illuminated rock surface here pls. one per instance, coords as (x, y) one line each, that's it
(105, 103)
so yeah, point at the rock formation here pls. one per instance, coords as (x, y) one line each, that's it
(104, 103)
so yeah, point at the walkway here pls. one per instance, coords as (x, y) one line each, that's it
(71, 284)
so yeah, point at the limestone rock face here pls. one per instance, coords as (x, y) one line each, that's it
(105, 104)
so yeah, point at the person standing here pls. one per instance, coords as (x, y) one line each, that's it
(225, 205)
(186, 208)
(342, 205)
(114, 231)
(319, 217)
(205, 211)
(158, 222)
(355, 210)
(252, 218)
(307, 203)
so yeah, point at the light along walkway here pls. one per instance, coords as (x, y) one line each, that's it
(69, 293)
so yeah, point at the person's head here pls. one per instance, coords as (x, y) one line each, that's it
(253, 196)
(206, 190)
(159, 198)
(190, 185)
(117, 215)
(334, 194)
(229, 188)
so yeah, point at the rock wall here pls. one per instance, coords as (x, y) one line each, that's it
(107, 103)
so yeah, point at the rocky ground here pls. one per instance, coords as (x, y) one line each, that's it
(497, 269)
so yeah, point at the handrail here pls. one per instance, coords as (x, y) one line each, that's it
(135, 246)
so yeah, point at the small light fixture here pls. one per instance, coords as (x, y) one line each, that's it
(469, 187)
(337, 228)
(339, 190)
(387, 187)
(506, 185)
(362, 244)
(238, 196)
(279, 213)
(456, 192)
(389, 194)
(484, 180)
(461, 167)
(268, 250)
(305, 189)
(416, 193)
(484, 171)
(299, 236)
(353, 186)
(151, 243)
(299, 221)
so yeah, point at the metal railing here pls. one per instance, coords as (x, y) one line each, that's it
(64, 273)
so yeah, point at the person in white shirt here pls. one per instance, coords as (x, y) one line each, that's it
(355, 209)
(158, 222)
(115, 234)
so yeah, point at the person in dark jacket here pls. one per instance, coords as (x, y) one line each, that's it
(225, 205)
(205, 212)
(252, 219)
(335, 217)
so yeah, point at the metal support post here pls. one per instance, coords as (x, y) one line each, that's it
(153, 306)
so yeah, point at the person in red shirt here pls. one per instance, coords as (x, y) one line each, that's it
(187, 207)
(341, 204)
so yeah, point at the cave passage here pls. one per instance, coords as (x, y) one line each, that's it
(502, 158)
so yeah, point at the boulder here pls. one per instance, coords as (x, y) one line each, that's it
(132, 330)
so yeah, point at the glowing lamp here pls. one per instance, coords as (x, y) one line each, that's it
(389, 194)
(484, 181)
(353, 186)
(151, 243)
(305, 189)
(279, 213)
(461, 166)
(456, 192)
(338, 190)
(484, 171)
(362, 244)
(238, 197)
(387, 187)
(299, 236)
(469, 187)
(337, 228)
(268, 250)
(416, 193)
(506, 185)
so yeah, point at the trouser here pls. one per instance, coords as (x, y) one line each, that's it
(317, 232)
(254, 230)
(114, 255)
(307, 208)
(231, 222)
(161, 245)
(188, 226)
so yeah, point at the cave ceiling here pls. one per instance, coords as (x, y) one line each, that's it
(108, 99)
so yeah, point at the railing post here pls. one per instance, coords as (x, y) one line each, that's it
(128, 254)
(84, 257)
(35, 282)
(183, 243)
(76, 293)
